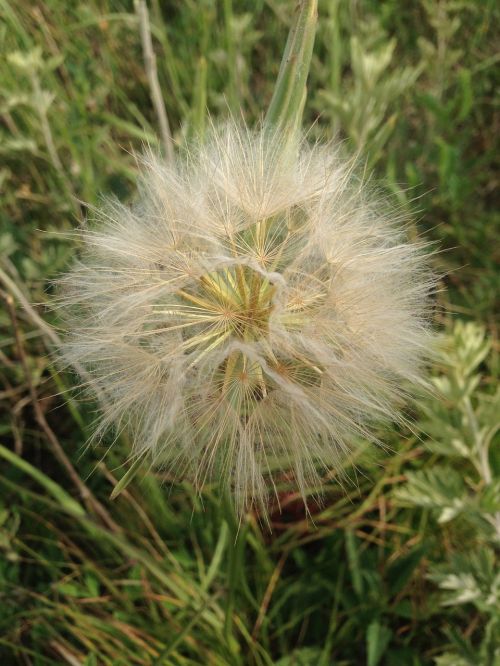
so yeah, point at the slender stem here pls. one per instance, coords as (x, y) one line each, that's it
(152, 74)
(482, 461)
(237, 536)
(46, 131)
(34, 316)
(86, 494)
(232, 88)
(40, 106)
(49, 332)
(200, 98)
(334, 52)
(287, 103)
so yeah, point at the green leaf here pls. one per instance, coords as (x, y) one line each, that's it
(127, 477)
(352, 548)
(66, 501)
(70, 590)
(451, 659)
(377, 640)
(400, 572)
(307, 656)
(466, 94)
(470, 578)
(440, 488)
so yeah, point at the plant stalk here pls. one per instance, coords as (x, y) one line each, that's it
(287, 103)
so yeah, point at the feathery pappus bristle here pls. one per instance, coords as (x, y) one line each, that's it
(257, 308)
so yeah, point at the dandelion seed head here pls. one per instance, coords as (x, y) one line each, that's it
(256, 310)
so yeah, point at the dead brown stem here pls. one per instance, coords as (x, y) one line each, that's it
(90, 501)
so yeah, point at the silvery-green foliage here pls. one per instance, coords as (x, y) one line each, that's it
(438, 53)
(462, 490)
(366, 106)
(461, 426)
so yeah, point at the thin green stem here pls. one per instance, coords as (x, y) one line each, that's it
(232, 87)
(481, 458)
(334, 53)
(287, 103)
(235, 568)
(200, 98)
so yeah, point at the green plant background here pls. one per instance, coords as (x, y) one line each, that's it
(399, 565)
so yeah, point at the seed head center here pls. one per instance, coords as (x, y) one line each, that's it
(241, 297)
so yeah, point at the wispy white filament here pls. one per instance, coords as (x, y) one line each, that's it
(255, 310)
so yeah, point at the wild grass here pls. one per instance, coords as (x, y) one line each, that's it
(399, 564)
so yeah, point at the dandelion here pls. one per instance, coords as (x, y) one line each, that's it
(256, 310)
